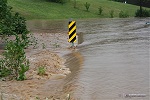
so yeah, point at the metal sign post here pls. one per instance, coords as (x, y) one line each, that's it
(72, 32)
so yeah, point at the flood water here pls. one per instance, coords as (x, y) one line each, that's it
(112, 62)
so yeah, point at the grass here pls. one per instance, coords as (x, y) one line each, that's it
(42, 9)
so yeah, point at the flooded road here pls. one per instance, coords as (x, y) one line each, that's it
(113, 61)
(116, 60)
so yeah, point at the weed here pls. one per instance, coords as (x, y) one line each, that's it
(43, 46)
(56, 45)
(87, 6)
(37, 98)
(100, 10)
(33, 41)
(41, 70)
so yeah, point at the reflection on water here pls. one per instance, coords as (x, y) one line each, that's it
(47, 26)
(113, 60)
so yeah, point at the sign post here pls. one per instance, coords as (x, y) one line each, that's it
(72, 32)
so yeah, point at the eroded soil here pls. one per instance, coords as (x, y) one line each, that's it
(45, 51)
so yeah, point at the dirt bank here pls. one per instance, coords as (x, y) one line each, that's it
(45, 52)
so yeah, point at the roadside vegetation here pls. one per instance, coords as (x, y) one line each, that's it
(14, 64)
(65, 9)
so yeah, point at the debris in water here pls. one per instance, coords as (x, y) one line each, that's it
(148, 23)
(135, 95)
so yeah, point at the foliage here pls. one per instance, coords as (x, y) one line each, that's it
(41, 70)
(58, 1)
(123, 14)
(56, 45)
(119, 0)
(5, 18)
(145, 13)
(111, 14)
(4, 9)
(33, 41)
(43, 46)
(100, 10)
(14, 62)
(10, 23)
(87, 6)
(14, 59)
(3, 70)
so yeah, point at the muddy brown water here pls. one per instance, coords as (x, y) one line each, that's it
(116, 60)
(113, 61)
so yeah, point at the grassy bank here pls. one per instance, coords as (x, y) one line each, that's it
(42, 9)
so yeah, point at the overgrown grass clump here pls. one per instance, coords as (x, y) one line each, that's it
(123, 14)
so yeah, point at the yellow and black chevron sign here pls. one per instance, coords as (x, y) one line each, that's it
(72, 31)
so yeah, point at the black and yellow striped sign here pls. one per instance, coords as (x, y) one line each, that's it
(72, 31)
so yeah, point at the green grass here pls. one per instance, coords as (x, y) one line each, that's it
(42, 9)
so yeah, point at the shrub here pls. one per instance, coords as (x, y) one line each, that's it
(123, 14)
(14, 62)
(87, 6)
(10, 23)
(100, 10)
(58, 1)
(111, 14)
(145, 13)
(4, 72)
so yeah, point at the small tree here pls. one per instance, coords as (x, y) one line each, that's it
(75, 3)
(100, 10)
(87, 6)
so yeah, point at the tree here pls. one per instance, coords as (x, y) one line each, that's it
(141, 5)
(141, 2)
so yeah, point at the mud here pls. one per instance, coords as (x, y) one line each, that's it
(46, 51)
